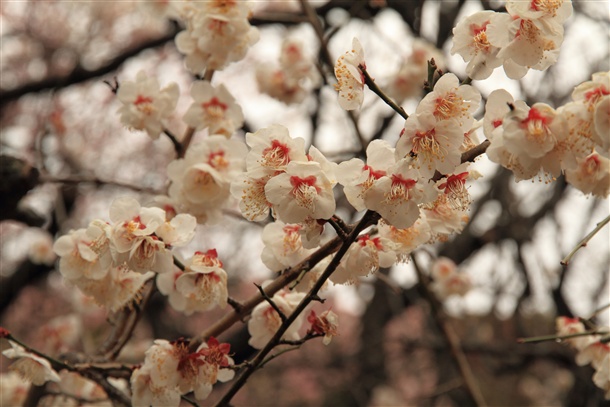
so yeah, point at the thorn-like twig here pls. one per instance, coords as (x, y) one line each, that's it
(340, 227)
(174, 140)
(114, 85)
(237, 306)
(271, 302)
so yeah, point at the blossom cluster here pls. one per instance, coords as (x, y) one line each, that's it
(418, 186)
(111, 261)
(171, 370)
(280, 176)
(217, 33)
(528, 35)
(201, 181)
(591, 350)
(573, 139)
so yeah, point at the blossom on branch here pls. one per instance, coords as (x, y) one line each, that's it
(31, 367)
(214, 109)
(200, 287)
(364, 257)
(325, 324)
(217, 33)
(145, 105)
(471, 43)
(265, 320)
(303, 191)
(350, 79)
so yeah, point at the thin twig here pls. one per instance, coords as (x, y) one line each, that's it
(97, 181)
(271, 302)
(584, 241)
(370, 82)
(174, 140)
(546, 338)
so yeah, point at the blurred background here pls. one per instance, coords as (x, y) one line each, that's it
(65, 157)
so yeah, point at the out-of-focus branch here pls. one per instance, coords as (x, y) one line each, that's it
(450, 336)
(80, 74)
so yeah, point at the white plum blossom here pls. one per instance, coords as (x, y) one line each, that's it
(283, 246)
(250, 192)
(534, 131)
(214, 109)
(568, 326)
(396, 195)
(525, 43)
(471, 43)
(327, 324)
(601, 378)
(451, 101)
(133, 238)
(350, 79)
(201, 180)
(303, 191)
(40, 249)
(409, 80)
(591, 175)
(200, 287)
(357, 177)
(61, 333)
(30, 367)
(496, 108)
(558, 10)
(364, 257)
(13, 389)
(405, 241)
(453, 186)
(118, 287)
(434, 143)
(444, 218)
(294, 79)
(217, 33)
(271, 149)
(85, 252)
(594, 353)
(145, 105)
(265, 320)
(448, 280)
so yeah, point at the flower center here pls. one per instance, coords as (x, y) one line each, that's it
(304, 190)
(448, 106)
(276, 155)
(215, 108)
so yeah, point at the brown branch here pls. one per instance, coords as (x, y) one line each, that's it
(80, 74)
(450, 336)
(367, 220)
